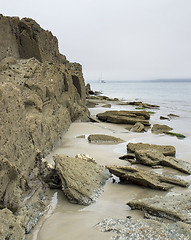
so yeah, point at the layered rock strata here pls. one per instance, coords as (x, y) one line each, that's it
(125, 117)
(167, 150)
(41, 93)
(146, 178)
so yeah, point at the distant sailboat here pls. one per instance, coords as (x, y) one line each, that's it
(101, 79)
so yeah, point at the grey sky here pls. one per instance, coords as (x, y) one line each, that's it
(122, 39)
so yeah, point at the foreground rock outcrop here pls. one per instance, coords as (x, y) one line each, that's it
(176, 207)
(41, 93)
(131, 229)
(82, 178)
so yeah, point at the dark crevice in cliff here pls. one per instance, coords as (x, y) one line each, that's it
(76, 83)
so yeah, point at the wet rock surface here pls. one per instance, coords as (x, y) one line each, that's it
(131, 229)
(102, 138)
(146, 178)
(158, 128)
(82, 178)
(125, 117)
(154, 158)
(173, 207)
(164, 149)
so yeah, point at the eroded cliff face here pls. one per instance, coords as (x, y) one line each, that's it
(41, 93)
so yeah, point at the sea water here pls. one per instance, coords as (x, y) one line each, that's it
(176, 94)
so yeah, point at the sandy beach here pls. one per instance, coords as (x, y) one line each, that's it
(71, 221)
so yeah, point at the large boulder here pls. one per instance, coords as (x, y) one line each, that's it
(125, 117)
(164, 149)
(146, 178)
(173, 207)
(134, 229)
(82, 178)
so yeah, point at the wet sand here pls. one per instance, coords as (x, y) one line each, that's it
(71, 221)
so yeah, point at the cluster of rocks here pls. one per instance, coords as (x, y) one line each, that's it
(172, 207)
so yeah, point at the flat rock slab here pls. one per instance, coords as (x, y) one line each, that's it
(140, 104)
(134, 229)
(125, 117)
(154, 158)
(158, 128)
(176, 207)
(102, 138)
(146, 178)
(164, 149)
(82, 178)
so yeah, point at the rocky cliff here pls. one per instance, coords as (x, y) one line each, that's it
(41, 93)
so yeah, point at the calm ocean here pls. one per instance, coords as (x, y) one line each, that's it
(150, 91)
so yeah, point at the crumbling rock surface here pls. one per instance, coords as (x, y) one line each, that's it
(146, 178)
(132, 229)
(173, 207)
(125, 117)
(41, 93)
(164, 149)
(10, 226)
(82, 178)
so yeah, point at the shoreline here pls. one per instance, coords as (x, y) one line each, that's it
(111, 203)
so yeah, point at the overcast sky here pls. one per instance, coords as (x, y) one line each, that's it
(122, 39)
